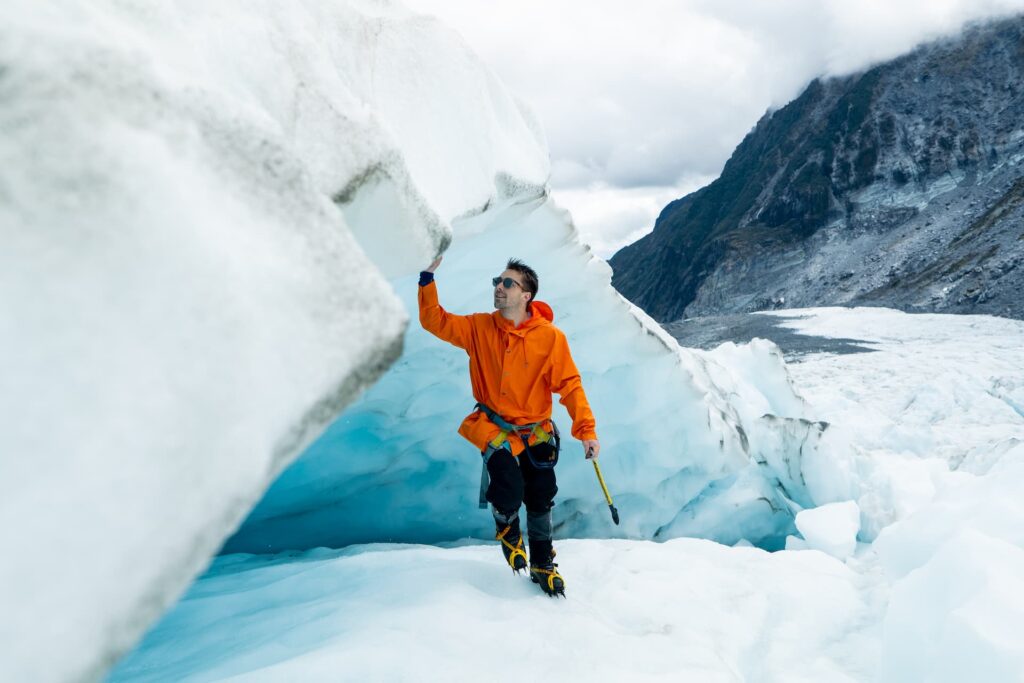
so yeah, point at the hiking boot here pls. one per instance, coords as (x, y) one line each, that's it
(548, 578)
(543, 570)
(512, 545)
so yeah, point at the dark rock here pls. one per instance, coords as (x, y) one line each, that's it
(893, 183)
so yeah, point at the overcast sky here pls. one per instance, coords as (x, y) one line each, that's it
(644, 101)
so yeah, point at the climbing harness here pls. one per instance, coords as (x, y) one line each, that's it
(524, 432)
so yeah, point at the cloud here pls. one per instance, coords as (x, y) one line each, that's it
(612, 217)
(642, 96)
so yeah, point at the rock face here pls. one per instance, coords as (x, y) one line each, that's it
(900, 187)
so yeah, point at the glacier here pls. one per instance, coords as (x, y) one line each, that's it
(212, 218)
(682, 431)
(191, 201)
(207, 213)
(936, 596)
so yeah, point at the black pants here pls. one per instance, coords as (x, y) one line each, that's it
(514, 481)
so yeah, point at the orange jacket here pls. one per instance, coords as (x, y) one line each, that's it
(513, 370)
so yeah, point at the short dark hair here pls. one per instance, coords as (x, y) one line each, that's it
(530, 280)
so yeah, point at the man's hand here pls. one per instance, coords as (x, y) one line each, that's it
(591, 447)
(433, 266)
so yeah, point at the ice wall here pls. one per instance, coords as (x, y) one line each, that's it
(188, 194)
(693, 443)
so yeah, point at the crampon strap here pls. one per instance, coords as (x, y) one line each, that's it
(552, 574)
(514, 549)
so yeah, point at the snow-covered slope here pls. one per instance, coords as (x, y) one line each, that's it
(687, 609)
(937, 597)
(189, 193)
(941, 393)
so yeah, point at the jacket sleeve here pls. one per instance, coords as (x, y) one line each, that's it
(454, 329)
(565, 381)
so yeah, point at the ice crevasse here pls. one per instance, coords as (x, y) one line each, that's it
(211, 220)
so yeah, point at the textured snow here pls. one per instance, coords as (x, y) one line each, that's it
(830, 528)
(188, 194)
(940, 393)
(934, 456)
(937, 597)
(687, 609)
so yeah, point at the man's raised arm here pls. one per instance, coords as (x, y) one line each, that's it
(454, 329)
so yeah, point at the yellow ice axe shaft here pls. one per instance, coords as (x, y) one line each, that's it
(607, 496)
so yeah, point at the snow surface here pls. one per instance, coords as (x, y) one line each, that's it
(687, 609)
(831, 528)
(937, 597)
(194, 203)
(940, 393)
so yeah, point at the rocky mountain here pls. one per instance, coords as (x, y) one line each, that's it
(901, 186)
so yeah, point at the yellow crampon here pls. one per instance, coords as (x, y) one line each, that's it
(552, 575)
(514, 551)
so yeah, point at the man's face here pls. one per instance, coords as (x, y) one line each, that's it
(512, 298)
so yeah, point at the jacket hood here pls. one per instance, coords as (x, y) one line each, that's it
(540, 314)
(542, 309)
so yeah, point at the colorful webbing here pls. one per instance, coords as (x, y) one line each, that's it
(515, 550)
(537, 431)
(535, 428)
(506, 427)
(552, 575)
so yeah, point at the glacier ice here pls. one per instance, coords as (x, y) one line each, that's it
(212, 217)
(188, 197)
(937, 596)
(831, 528)
(683, 432)
(959, 616)
(934, 402)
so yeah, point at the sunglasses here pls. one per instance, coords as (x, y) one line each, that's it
(507, 281)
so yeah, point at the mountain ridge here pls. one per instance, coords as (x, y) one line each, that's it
(898, 186)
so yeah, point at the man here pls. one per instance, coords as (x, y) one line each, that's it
(517, 358)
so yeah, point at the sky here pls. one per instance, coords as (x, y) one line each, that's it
(643, 102)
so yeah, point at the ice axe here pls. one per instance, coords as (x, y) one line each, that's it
(607, 496)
